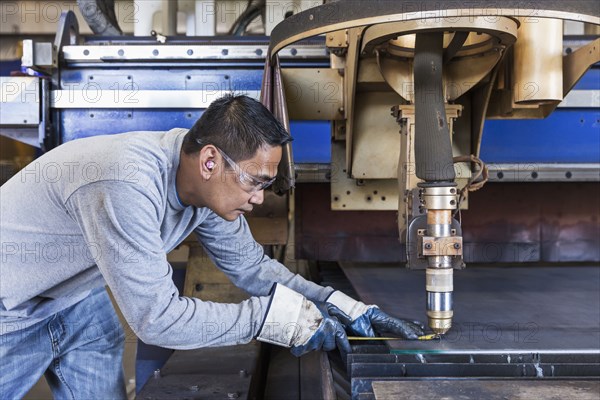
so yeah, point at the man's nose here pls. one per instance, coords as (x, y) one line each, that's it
(257, 197)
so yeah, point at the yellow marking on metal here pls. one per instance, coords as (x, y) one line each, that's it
(425, 337)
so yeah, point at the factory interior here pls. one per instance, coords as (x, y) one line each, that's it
(445, 166)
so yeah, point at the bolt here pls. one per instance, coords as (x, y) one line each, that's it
(457, 246)
(194, 388)
(156, 373)
(243, 373)
(233, 395)
(428, 246)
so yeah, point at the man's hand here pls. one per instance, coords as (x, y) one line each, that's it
(294, 321)
(363, 320)
(329, 335)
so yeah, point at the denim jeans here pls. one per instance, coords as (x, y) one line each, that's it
(79, 350)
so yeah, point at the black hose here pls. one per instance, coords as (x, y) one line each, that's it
(433, 149)
(455, 45)
(100, 16)
(252, 11)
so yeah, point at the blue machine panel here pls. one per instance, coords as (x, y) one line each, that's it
(311, 138)
(566, 136)
(80, 123)
(312, 141)
(590, 81)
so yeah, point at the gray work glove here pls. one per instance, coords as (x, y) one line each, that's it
(296, 322)
(363, 320)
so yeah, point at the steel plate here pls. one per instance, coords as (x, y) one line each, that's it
(496, 310)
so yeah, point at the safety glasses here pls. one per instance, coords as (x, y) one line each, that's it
(252, 184)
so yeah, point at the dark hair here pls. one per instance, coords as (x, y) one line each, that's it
(238, 125)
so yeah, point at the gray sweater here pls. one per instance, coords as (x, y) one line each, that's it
(104, 210)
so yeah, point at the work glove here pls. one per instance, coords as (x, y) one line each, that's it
(366, 320)
(297, 323)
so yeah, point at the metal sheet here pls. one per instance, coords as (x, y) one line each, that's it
(355, 193)
(313, 94)
(376, 138)
(488, 389)
(496, 310)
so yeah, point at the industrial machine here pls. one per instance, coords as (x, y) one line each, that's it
(440, 70)
(388, 103)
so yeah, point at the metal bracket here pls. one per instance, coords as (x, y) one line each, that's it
(441, 246)
(337, 39)
(416, 239)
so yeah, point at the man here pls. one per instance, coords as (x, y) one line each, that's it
(107, 210)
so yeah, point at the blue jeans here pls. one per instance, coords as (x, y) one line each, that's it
(79, 350)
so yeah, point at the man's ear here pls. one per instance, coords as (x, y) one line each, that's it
(207, 161)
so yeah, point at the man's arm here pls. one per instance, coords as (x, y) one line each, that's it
(119, 221)
(232, 248)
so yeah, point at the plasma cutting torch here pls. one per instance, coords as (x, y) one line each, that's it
(439, 243)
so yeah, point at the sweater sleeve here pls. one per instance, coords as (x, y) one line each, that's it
(120, 224)
(232, 248)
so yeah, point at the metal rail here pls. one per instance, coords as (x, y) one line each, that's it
(499, 172)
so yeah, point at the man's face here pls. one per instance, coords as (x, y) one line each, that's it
(237, 187)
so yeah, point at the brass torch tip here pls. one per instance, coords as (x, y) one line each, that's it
(440, 325)
(440, 331)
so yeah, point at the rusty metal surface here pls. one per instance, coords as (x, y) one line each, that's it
(496, 310)
(506, 222)
(322, 234)
(525, 222)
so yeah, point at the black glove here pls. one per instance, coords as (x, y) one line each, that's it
(363, 320)
(329, 335)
